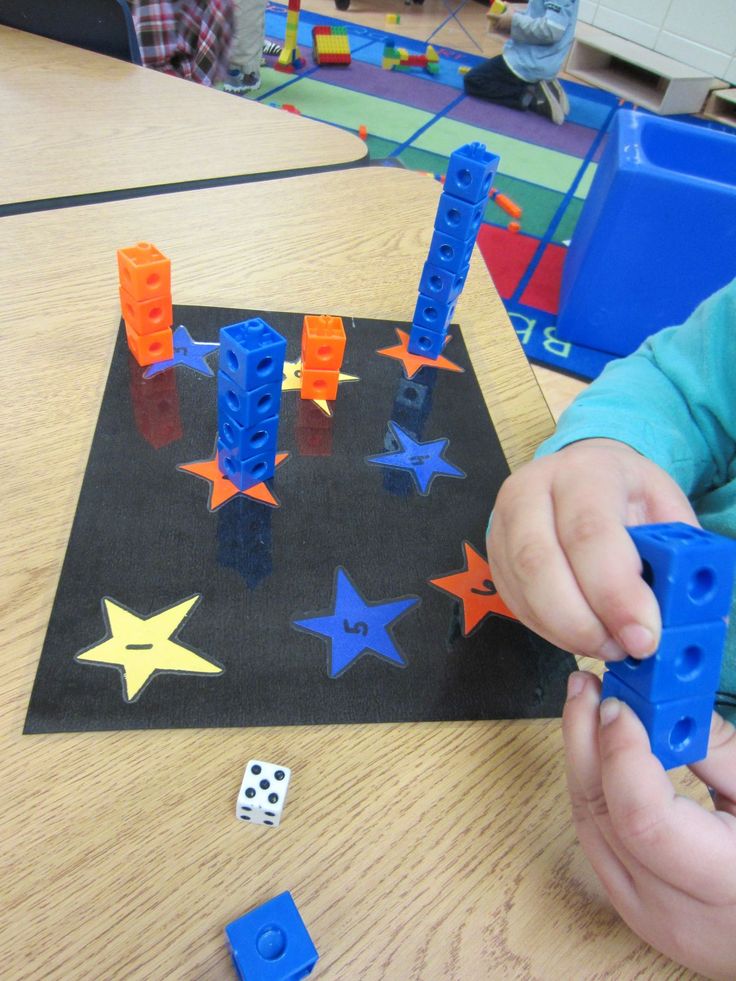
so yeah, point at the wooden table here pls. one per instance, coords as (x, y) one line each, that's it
(76, 122)
(422, 852)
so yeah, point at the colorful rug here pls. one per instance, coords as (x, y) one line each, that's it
(416, 120)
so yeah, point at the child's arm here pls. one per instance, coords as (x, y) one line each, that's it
(560, 555)
(668, 865)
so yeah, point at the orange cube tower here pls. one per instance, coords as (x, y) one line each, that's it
(145, 299)
(323, 348)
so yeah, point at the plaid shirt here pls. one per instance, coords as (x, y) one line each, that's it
(188, 38)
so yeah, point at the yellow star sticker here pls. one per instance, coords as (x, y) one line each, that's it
(141, 647)
(293, 383)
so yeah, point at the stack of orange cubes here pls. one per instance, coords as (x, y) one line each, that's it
(323, 348)
(145, 299)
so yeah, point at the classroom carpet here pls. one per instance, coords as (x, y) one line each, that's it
(416, 120)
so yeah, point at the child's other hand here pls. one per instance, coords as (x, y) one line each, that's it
(501, 23)
(561, 557)
(667, 864)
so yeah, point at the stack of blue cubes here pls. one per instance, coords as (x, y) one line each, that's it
(691, 573)
(248, 401)
(463, 201)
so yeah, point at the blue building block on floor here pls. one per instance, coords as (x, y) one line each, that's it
(656, 234)
(427, 343)
(248, 407)
(470, 172)
(457, 218)
(687, 663)
(689, 570)
(450, 253)
(252, 353)
(271, 943)
(442, 285)
(678, 730)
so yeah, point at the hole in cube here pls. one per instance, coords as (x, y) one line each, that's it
(264, 403)
(232, 361)
(258, 470)
(259, 438)
(689, 662)
(227, 433)
(647, 573)
(431, 313)
(155, 347)
(264, 366)
(233, 402)
(152, 280)
(453, 216)
(435, 283)
(447, 252)
(324, 352)
(464, 177)
(155, 314)
(701, 585)
(682, 732)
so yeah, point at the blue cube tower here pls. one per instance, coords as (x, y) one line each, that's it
(462, 205)
(691, 573)
(271, 943)
(248, 401)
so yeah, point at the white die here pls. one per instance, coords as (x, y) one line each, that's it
(262, 793)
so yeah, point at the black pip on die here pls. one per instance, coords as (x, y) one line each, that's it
(262, 793)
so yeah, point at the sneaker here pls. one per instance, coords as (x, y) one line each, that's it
(544, 103)
(560, 94)
(237, 83)
(271, 48)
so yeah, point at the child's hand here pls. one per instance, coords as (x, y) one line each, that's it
(561, 557)
(501, 23)
(667, 864)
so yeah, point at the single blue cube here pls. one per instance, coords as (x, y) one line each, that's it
(252, 353)
(271, 943)
(678, 730)
(457, 218)
(427, 343)
(450, 253)
(689, 570)
(247, 406)
(241, 443)
(687, 663)
(440, 284)
(245, 473)
(470, 172)
(432, 315)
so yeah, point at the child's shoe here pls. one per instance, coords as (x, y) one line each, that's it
(560, 94)
(544, 103)
(271, 48)
(238, 83)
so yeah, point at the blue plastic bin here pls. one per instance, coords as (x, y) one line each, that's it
(656, 236)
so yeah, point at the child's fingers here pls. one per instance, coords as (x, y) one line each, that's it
(719, 769)
(674, 838)
(590, 812)
(591, 530)
(533, 575)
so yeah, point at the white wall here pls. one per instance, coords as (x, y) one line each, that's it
(701, 33)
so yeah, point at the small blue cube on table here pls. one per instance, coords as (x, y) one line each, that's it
(271, 943)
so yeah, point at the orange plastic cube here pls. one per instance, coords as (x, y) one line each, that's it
(319, 384)
(146, 316)
(144, 271)
(151, 348)
(323, 342)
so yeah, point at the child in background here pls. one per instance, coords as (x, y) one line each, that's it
(188, 38)
(652, 440)
(524, 76)
(248, 47)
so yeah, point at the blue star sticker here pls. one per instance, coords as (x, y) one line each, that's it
(424, 460)
(357, 627)
(187, 352)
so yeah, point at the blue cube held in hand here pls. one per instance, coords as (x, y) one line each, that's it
(271, 943)
(689, 570)
(470, 172)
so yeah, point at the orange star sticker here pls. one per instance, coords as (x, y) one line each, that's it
(474, 586)
(413, 362)
(222, 489)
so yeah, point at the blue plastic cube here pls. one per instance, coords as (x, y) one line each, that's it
(427, 343)
(433, 315)
(241, 443)
(440, 284)
(678, 730)
(470, 172)
(689, 570)
(451, 253)
(247, 406)
(271, 943)
(252, 353)
(457, 218)
(687, 663)
(248, 472)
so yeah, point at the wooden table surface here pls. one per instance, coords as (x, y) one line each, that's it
(417, 852)
(76, 122)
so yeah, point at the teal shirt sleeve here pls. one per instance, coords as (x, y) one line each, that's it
(673, 400)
